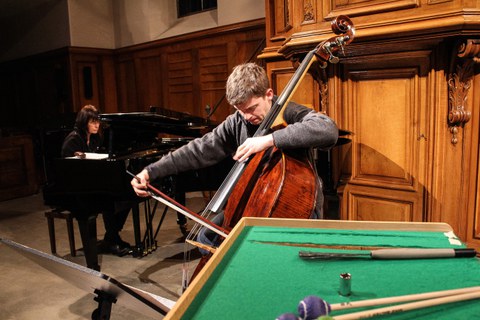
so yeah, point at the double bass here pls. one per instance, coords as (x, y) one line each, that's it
(282, 185)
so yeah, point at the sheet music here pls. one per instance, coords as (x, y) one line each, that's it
(97, 156)
(91, 156)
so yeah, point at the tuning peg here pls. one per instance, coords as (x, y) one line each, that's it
(331, 57)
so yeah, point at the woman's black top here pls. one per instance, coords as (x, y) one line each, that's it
(75, 142)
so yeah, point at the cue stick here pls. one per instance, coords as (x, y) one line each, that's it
(397, 253)
(324, 246)
(201, 245)
(408, 306)
(404, 298)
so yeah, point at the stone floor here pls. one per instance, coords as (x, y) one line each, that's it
(28, 291)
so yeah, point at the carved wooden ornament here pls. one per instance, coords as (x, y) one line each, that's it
(459, 84)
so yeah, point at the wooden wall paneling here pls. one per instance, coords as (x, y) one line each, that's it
(85, 80)
(36, 90)
(307, 92)
(288, 18)
(164, 84)
(17, 166)
(149, 75)
(384, 154)
(171, 71)
(213, 71)
(455, 164)
(51, 92)
(21, 109)
(10, 116)
(253, 45)
(305, 16)
(280, 22)
(26, 93)
(126, 84)
(63, 87)
(457, 186)
(341, 155)
(307, 12)
(401, 165)
(387, 112)
(180, 68)
(108, 90)
(439, 207)
(93, 78)
(36, 94)
(473, 226)
(139, 83)
(235, 53)
(353, 8)
(366, 203)
(196, 107)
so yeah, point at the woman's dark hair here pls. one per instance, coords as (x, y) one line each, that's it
(87, 113)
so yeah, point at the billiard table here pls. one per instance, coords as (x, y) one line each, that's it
(256, 273)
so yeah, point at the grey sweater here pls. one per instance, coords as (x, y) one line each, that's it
(306, 129)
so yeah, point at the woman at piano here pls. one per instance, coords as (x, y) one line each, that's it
(86, 137)
(248, 90)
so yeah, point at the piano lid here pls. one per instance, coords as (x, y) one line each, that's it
(162, 120)
(134, 131)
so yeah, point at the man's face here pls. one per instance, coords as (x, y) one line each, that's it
(255, 109)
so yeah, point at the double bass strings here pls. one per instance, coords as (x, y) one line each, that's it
(211, 209)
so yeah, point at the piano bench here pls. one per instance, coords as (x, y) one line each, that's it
(62, 214)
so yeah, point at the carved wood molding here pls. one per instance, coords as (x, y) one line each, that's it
(355, 8)
(320, 75)
(466, 54)
(308, 12)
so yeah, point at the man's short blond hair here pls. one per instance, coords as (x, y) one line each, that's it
(246, 81)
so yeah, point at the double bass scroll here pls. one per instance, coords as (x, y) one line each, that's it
(326, 50)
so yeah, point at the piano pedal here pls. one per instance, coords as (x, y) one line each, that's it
(138, 252)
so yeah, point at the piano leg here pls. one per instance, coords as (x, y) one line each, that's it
(88, 233)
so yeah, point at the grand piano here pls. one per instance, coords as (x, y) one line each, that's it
(131, 141)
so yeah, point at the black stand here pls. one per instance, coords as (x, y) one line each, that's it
(104, 309)
(106, 289)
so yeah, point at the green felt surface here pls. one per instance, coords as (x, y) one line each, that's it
(258, 280)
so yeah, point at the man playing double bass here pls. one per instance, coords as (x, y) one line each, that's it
(248, 90)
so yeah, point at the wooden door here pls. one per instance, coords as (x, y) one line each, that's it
(385, 101)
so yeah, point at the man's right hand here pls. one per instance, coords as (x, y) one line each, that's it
(139, 183)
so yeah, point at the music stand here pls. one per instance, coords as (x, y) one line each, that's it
(106, 289)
